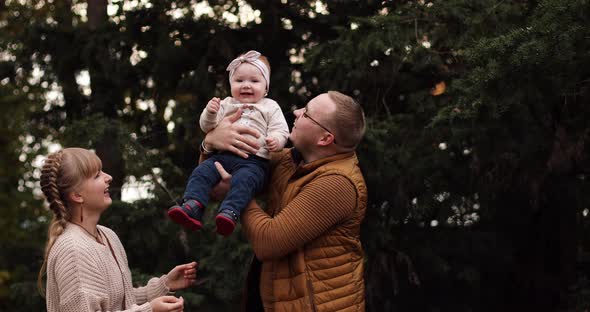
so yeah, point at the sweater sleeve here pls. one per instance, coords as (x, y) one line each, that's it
(156, 287)
(77, 284)
(277, 126)
(87, 302)
(319, 206)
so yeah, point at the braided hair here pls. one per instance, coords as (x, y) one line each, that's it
(62, 172)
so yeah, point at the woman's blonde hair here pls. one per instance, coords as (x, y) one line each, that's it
(62, 173)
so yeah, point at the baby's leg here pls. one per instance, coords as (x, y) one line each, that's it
(202, 180)
(245, 183)
(190, 213)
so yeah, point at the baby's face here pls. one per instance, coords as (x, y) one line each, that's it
(247, 84)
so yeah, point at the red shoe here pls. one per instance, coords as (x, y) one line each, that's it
(226, 222)
(189, 214)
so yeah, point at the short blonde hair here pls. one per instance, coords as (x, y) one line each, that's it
(348, 120)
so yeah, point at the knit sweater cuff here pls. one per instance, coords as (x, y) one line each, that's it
(146, 307)
(157, 287)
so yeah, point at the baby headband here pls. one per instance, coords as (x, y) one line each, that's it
(252, 57)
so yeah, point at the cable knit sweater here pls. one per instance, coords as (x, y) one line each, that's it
(83, 275)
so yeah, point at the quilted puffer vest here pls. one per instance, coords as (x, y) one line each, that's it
(327, 273)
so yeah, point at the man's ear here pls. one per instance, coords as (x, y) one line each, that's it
(75, 197)
(326, 139)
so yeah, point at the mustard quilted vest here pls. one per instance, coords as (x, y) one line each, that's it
(327, 273)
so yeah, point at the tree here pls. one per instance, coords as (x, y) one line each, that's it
(150, 69)
(464, 182)
(476, 154)
(527, 96)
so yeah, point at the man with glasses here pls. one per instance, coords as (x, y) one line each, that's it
(307, 240)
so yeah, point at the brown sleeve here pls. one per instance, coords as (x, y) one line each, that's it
(277, 157)
(321, 204)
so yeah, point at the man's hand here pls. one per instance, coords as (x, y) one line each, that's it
(231, 137)
(220, 190)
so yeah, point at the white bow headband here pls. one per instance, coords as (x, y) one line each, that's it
(252, 57)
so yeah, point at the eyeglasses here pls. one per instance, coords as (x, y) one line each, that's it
(317, 123)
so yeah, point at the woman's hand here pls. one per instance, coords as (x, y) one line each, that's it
(231, 137)
(182, 276)
(219, 191)
(167, 304)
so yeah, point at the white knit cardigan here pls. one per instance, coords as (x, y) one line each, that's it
(83, 275)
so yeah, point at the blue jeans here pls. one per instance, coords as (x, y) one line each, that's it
(248, 178)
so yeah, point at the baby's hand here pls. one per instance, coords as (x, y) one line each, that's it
(213, 105)
(272, 144)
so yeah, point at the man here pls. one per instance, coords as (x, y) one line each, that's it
(307, 242)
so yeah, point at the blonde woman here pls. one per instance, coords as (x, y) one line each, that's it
(86, 263)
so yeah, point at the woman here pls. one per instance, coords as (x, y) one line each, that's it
(86, 263)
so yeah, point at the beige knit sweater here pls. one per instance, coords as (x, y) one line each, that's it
(82, 275)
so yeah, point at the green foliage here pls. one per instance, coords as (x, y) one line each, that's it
(154, 244)
(477, 190)
(512, 128)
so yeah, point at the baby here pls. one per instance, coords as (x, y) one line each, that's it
(249, 79)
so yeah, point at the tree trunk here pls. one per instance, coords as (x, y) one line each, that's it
(97, 13)
(67, 67)
(106, 95)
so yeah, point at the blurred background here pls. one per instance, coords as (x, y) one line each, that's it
(477, 152)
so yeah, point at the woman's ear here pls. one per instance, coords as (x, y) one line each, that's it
(75, 197)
